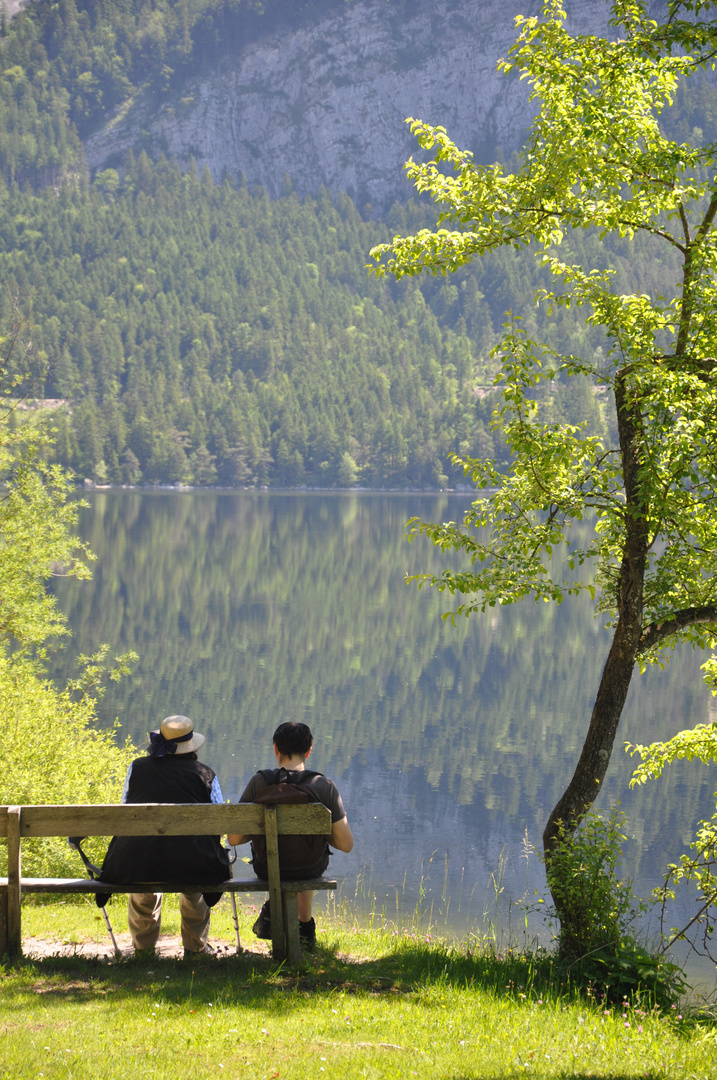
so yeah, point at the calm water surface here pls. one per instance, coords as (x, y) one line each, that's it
(450, 745)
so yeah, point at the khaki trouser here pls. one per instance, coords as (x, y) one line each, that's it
(145, 919)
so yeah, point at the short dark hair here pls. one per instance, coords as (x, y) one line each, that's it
(291, 739)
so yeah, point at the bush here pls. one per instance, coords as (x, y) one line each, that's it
(631, 971)
(598, 910)
(54, 752)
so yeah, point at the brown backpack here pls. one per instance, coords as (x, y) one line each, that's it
(295, 852)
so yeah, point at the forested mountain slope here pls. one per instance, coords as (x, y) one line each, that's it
(192, 329)
(202, 334)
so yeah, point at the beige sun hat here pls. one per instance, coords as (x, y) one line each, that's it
(179, 731)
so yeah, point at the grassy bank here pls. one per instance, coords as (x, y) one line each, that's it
(369, 1003)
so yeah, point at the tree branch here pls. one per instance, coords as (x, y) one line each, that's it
(688, 276)
(657, 631)
(685, 225)
(569, 215)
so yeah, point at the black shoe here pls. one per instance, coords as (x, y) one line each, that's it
(208, 952)
(307, 934)
(262, 926)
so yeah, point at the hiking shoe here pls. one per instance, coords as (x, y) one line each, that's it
(307, 934)
(206, 953)
(262, 926)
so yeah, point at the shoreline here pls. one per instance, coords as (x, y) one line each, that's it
(90, 485)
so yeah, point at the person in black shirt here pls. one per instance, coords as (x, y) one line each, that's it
(292, 746)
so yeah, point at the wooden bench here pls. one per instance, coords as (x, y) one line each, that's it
(162, 819)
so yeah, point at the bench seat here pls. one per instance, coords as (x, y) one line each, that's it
(86, 885)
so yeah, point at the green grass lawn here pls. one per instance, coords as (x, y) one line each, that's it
(368, 1003)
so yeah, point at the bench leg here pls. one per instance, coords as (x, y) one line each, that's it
(290, 916)
(3, 923)
(14, 925)
(278, 938)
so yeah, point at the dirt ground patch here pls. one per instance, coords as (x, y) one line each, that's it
(169, 948)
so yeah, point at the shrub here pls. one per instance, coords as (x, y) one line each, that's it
(597, 907)
(53, 751)
(598, 910)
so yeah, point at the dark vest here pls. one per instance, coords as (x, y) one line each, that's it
(178, 860)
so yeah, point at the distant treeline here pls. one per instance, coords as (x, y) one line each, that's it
(202, 333)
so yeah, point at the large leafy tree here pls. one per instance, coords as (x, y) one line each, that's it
(598, 157)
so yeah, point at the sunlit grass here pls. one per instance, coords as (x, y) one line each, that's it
(381, 1002)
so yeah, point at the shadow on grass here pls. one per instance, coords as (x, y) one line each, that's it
(254, 978)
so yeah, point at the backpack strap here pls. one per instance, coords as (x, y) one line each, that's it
(304, 776)
(301, 776)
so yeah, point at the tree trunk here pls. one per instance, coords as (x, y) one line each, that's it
(594, 759)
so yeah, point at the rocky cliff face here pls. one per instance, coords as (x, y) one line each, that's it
(325, 103)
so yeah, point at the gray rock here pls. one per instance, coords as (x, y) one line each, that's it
(325, 103)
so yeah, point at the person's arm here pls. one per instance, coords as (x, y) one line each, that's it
(215, 794)
(125, 786)
(237, 838)
(341, 835)
(247, 796)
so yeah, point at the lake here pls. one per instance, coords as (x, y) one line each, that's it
(450, 744)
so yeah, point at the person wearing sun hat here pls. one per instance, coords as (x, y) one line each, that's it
(169, 773)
